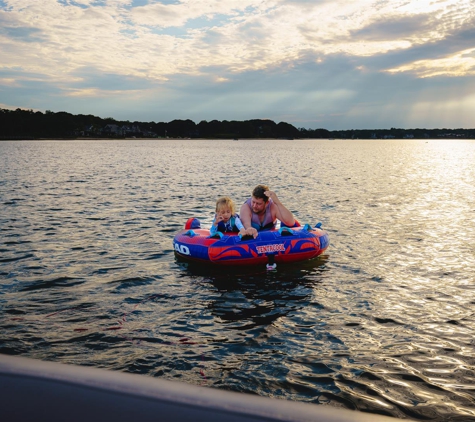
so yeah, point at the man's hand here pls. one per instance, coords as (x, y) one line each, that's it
(251, 231)
(271, 194)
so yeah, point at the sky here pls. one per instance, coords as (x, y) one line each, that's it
(353, 64)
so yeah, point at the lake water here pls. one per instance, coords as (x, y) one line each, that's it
(383, 322)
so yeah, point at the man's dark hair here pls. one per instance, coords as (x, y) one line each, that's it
(258, 192)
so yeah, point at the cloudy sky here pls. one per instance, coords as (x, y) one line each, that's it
(330, 64)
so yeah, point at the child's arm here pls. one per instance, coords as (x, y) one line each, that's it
(214, 227)
(238, 222)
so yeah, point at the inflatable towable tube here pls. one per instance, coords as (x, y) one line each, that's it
(272, 246)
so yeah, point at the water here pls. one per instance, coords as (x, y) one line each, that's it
(383, 322)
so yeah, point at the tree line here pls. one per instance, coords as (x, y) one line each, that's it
(29, 124)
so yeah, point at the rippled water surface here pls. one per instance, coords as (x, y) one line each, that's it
(383, 322)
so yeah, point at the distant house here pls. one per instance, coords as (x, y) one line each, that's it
(92, 130)
(112, 129)
(149, 134)
(133, 130)
(136, 129)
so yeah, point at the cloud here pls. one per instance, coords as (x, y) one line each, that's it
(24, 34)
(179, 13)
(397, 27)
(305, 60)
(250, 34)
(460, 64)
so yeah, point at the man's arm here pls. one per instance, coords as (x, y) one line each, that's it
(278, 210)
(245, 215)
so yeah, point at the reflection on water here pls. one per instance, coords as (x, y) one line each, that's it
(252, 296)
(382, 323)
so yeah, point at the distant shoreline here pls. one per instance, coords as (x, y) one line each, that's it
(22, 139)
(29, 125)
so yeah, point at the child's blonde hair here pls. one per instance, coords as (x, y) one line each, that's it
(226, 201)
